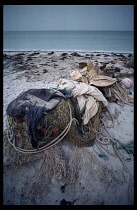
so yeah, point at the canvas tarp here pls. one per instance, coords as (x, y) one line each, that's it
(77, 76)
(92, 75)
(87, 96)
(102, 81)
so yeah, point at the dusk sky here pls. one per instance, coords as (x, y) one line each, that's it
(68, 17)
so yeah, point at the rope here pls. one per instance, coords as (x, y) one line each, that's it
(10, 135)
(56, 140)
(117, 155)
(122, 161)
(110, 126)
(100, 144)
(120, 88)
(106, 139)
(102, 155)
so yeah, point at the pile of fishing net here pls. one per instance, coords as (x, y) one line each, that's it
(40, 118)
(46, 125)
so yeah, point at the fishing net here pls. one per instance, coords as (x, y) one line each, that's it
(61, 161)
(56, 122)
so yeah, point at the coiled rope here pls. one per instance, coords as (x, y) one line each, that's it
(107, 140)
(10, 135)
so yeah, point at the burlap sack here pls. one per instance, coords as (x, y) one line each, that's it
(76, 76)
(102, 81)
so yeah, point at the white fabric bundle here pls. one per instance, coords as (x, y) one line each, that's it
(87, 96)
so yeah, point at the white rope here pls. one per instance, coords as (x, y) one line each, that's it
(56, 140)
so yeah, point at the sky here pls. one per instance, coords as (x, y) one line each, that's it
(68, 17)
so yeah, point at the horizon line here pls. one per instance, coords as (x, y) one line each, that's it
(65, 30)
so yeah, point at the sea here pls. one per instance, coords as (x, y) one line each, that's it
(79, 41)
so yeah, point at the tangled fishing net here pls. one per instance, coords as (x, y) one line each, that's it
(53, 161)
(59, 117)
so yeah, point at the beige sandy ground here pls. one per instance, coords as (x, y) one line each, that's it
(105, 181)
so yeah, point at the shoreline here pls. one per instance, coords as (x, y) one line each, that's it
(69, 51)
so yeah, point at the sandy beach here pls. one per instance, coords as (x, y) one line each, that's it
(102, 182)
